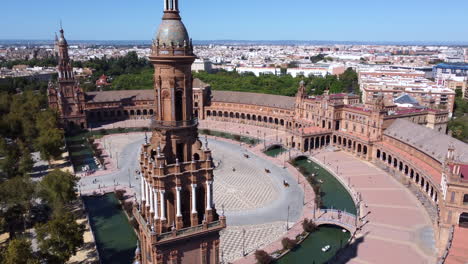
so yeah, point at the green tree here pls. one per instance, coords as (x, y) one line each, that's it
(50, 139)
(25, 163)
(19, 252)
(60, 238)
(58, 188)
(15, 200)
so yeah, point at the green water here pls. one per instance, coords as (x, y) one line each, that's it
(310, 251)
(81, 153)
(334, 195)
(115, 238)
(275, 151)
(238, 138)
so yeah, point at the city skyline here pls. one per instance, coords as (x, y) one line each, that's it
(363, 21)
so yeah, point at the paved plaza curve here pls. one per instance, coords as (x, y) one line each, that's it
(399, 230)
(255, 202)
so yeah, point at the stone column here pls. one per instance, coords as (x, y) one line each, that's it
(179, 219)
(194, 198)
(148, 195)
(179, 213)
(142, 189)
(162, 201)
(161, 225)
(155, 204)
(194, 213)
(208, 195)
(151, 200)
(208, 211)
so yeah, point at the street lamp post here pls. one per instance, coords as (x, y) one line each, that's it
(129, 183)
(303, 197)
(287, 220)
(243, 242)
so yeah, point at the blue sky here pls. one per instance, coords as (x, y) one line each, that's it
(362, 20)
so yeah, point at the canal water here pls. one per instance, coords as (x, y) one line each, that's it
(238, 138)
(310, 250)
(334, 195)
(275, 151)
(115, 238)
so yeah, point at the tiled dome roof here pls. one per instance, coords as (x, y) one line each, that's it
(172, 31)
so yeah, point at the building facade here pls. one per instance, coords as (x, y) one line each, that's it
(66, 96)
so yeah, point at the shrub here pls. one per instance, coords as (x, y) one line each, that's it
(120, 194)
(120, 129)
(262, 257)
(309, 225)
(103, 132)
(288, 243)
(128, 207)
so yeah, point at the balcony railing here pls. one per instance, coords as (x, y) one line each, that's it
(173, 124)
(190, 230)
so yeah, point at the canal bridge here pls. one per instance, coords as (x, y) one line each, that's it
(339, 218)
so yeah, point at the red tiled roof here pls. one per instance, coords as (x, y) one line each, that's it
(435, 174)
(458, 253)
(313, 130)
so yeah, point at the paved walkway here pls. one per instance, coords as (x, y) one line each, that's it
(399, 228)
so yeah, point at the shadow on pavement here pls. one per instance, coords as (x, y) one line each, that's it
(349, 252)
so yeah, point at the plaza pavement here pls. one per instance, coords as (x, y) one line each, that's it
(399, 230)
(254, 201)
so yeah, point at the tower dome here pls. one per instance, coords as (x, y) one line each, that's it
(62, 40)
(172, 30)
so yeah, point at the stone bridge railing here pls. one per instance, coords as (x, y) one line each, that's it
(340, 218)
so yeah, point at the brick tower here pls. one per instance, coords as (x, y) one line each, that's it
(66, 96)
(177, 219)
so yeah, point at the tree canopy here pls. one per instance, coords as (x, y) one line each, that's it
(60, 238)
(458, 125)
(19, 252)
(58, 188)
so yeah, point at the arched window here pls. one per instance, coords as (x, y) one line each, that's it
(463, 221)
(179, 106)
(465, 199)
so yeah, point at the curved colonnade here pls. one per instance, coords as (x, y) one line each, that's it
(411, 165)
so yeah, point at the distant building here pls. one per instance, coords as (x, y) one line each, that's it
(102, 82)
(259, 70)
(202, 65)
(392, 84)
(317, 70)
(446, 71)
